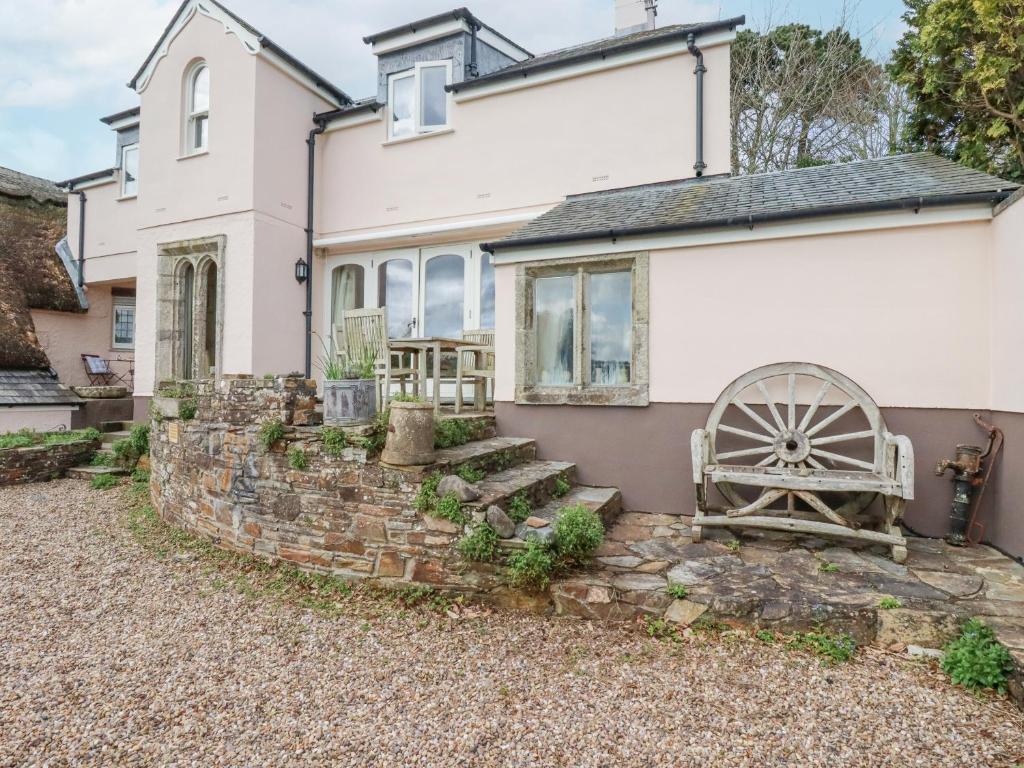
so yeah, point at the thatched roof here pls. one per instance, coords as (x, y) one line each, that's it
(33, 218)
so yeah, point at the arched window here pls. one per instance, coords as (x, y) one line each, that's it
(197, 107)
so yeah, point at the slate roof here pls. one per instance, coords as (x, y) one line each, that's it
(33, 388)
(597, 49)
(888, 183)
(131, 112)
(457, 13)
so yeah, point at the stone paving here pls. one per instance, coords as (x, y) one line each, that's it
(773, 580)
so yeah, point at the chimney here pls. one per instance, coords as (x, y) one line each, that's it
(634, 16)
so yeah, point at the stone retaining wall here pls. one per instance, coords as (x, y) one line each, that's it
(346, 515)
(37, 463)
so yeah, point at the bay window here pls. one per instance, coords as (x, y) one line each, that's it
(417, 100)
(582, 331)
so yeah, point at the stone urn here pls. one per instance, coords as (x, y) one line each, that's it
(410, 438)
(349, 402)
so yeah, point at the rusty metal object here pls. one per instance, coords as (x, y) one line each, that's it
(969, 483)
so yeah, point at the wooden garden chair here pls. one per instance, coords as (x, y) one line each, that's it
(365, 332)
(475, 364)
(815, 447)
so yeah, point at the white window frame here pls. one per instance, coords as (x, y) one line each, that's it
(416, 74)
(124, 174)
(192, 116)
(121, 301)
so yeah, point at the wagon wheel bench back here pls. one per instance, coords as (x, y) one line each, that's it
(800, 447)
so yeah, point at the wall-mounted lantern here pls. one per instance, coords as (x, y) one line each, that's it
(301, 271)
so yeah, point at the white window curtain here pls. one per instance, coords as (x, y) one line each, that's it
(346, 290)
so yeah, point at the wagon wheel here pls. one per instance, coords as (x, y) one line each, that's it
(814, 434)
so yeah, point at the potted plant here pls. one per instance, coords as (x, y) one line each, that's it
(350, 390)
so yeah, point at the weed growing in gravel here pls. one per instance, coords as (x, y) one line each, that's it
(765, 636)
(335, 441)
(270, 432)
(140, 476)
(102, 482)
(471, 474)
(519, 507)
(449, 433)
(449, 508)
(297, 458)
(578, 533)
(833, 649)
(889, 603)
(426, 497)
(976, 659)
(678, 591)
(660, 629)
(826, 567)
(481, 544)
(562, 487)
(532, 566)
(733, 545)
(708, 624)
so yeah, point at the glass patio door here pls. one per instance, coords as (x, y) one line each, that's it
(445, 306)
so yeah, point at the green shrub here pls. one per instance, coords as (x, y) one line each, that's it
(139, 438)
(335, 441)
(426, 497)
(140, 476)
(765, 636)
(449, 433)
(297, 458)
(976, 659)
(578, 533)
(188, 408)
(532, 566)
(449, 508)
(562, 487)
(888, 603)
(270, 432)
(24, 438)
(405, 398)
(480, 545)
(101, 460)
(832, 648)
(373, 441)
(678, 591)
(102, 482)
(20, 439)
(471, 474)
(519, 507)
(128, 451)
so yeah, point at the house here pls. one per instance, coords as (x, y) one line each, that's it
(577, 202)
(34, 281)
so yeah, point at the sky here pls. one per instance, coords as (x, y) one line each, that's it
(64, 63)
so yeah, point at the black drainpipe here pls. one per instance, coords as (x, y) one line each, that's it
(311, 145)
(81, 234)
(472, 70)
(691, 46)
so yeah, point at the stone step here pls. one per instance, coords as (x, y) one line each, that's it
(534, 478)
(108, 438)
(87, 471)
(482, 425)
(490, 455)
(606, 502)
(115, 426)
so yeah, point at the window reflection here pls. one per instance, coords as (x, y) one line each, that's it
(486, 291)
(554, 305)
(444, 296)
(611, 328)
(394, 288)
(346, 290)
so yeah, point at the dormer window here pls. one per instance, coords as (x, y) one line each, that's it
(418, 101)
(197, 108)
(130, 170)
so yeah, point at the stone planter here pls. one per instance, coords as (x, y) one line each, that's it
(410, 440)
(349, 402)
(168, 407)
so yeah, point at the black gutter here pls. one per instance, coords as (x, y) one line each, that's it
(429, 21)
(542, 64)
(68, 183)
(370, 106)
(906, 203)
(308, 312)
(133, 112)
(81, 234)
(699, 70)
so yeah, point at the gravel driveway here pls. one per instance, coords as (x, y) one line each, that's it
(112, 655)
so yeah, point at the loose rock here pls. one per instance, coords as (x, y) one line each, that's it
(455, 484)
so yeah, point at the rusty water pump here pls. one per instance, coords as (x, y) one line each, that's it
(970, 477)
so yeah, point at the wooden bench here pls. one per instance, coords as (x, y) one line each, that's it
(791, 443)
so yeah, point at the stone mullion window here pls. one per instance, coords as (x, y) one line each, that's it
(604, 360)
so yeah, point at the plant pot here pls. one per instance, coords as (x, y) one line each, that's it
(349, 402)
(410, 440)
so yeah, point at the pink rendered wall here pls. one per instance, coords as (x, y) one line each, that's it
(37, 419)
(175, 188)
(531, 147)
(66, 336)
(278, 325)
(882, 307)
(1008, 309)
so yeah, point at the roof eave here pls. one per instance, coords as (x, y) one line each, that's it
(69, 183)
(993, 197)
(600, 53)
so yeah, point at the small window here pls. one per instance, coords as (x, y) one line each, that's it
(418, 100)
(130, 170)
(124, 323)
(584, 329)
(197, 103)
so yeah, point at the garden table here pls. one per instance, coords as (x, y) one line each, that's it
(420, 346)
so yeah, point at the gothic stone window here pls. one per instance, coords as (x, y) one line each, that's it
(190, 309)
(581, 331)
